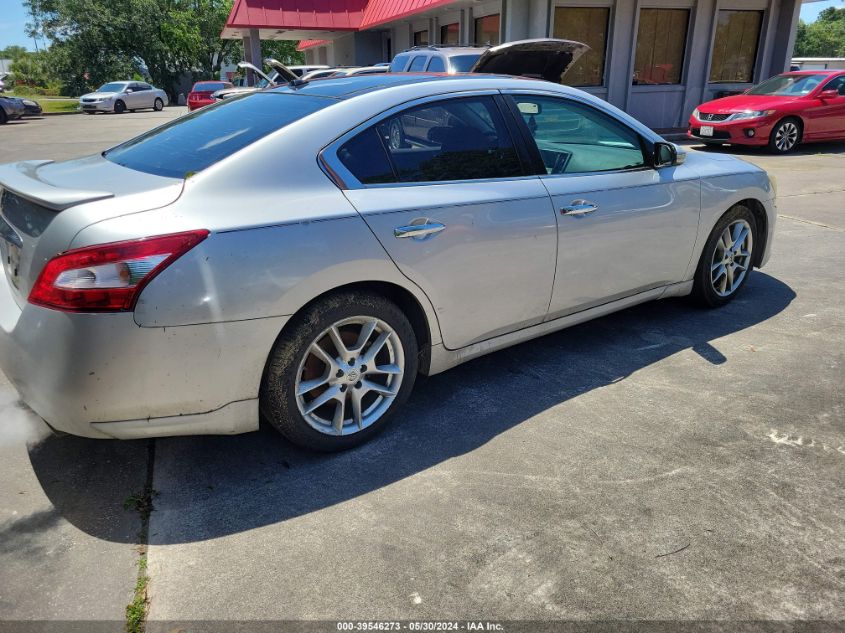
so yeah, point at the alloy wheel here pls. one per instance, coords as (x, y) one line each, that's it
(731, 258)
(350, 375)
(786, 136)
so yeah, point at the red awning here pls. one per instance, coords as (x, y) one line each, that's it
(319, 15)
(305, 44)
(381, 11)
(329, 15)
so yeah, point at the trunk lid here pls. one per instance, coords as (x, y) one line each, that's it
(545, 58)
(65, 197)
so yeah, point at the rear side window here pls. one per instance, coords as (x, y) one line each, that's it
(398, 63)
(456, 139)
(436, 65)
(191, 143)
(418, 63)
(365, 157)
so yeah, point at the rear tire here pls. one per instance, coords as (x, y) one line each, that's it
(727, 259)
(339, 371)
(785, 136)
(119, 107)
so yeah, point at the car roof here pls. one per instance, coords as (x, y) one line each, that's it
(349, 86)
(447, 50)
(821, 71)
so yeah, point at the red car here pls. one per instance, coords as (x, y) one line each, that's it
(200, 94)
(795, 107)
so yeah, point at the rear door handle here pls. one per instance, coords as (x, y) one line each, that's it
(418, 230)
(579, 207)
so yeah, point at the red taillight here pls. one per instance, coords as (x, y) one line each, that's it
(108, 277)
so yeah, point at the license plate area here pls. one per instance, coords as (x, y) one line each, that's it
(706, 130)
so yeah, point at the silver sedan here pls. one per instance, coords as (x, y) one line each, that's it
(120, 96)
(304, 252)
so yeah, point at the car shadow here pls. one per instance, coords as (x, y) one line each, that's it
(224, 485)
(836, 147)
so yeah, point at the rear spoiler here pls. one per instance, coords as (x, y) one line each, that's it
(22, 179)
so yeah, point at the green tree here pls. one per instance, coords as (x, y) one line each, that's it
(823, 38)
(102, 40)
(12, 52)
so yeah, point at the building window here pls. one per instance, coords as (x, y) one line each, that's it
(661, 40)
(449, 33)
(487, 30)
(735, 46)
(421, 38)
(588, 25)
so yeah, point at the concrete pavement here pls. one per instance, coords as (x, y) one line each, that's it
(661, 463)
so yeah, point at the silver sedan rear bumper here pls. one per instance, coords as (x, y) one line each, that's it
(102, 375)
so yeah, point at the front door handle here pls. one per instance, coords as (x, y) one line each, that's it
(418, 230)
(579, 207)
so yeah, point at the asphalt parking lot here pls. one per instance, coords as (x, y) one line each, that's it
(663, 463)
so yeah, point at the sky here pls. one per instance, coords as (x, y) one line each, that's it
(13, 19)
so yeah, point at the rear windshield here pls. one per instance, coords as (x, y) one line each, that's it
(193, 142)
(463, 63)
(398, 63)
(210, 85)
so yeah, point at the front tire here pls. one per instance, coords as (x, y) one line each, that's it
(158, 106)
(340, 371)
(3, 117)
(785, 136)
(119, 107)
(727, 258)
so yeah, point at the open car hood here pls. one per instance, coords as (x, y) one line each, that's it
(543, 58)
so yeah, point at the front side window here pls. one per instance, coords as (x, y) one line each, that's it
(735, 46)
(193, 142)
(487, 30)
(786, 85)
(449, 34)
(837, 84)
(418, 63)
(463, 63)
(588, 25)
(458, 139)
(573, 138)
(661, 42)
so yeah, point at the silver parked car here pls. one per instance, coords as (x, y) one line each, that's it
(283, 253)
(120, 96)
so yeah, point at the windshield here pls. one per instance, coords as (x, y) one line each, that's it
(783, 85)
(112, 87)
(463, 63)
(191, 143)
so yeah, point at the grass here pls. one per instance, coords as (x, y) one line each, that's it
(142, 503)
(65, 105)
(136, 611)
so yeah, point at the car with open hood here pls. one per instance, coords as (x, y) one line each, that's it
(780, 113)
(280, 75)
(544, 58)
(279, 256)
(123, 96)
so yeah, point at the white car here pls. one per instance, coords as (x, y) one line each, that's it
(120, 96)
(3, 81)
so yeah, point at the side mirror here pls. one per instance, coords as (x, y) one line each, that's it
(829, 94)
(666, 155)
(128, 90)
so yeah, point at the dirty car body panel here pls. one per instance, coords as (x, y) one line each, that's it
(187, 354)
